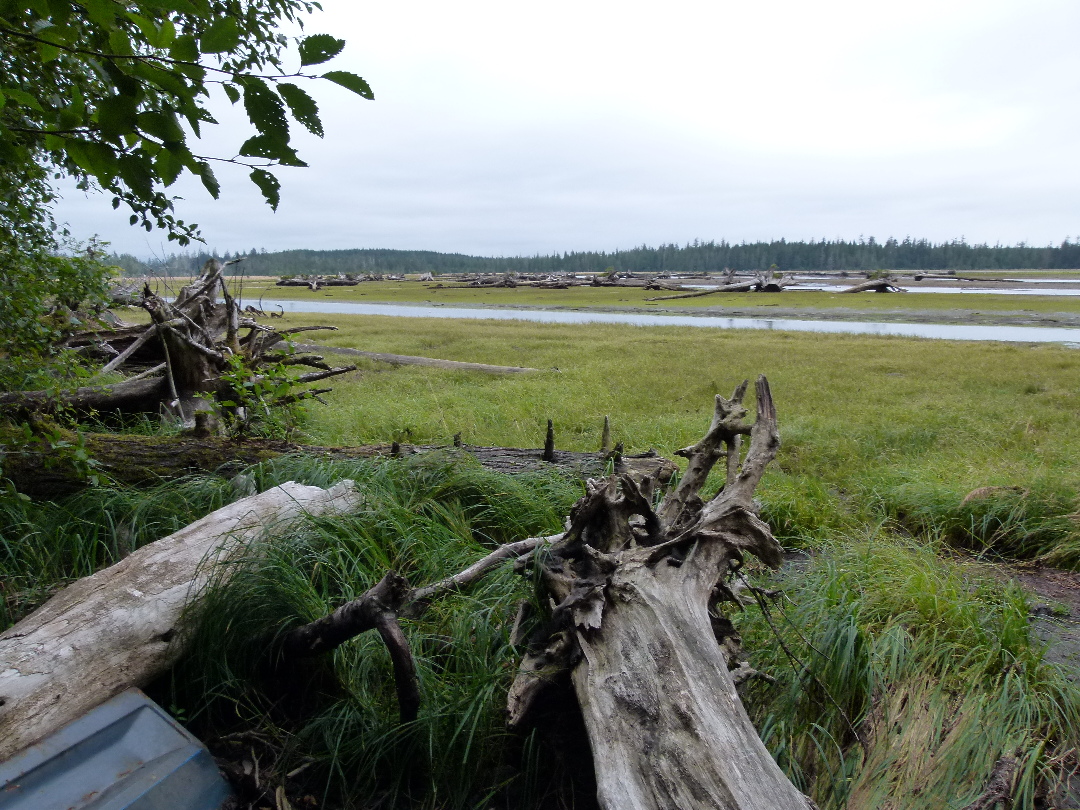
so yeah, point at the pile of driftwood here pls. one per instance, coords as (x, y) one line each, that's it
(318, 282)
(766, 282)
(185, 362)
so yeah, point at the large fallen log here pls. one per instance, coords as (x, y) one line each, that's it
(740, 287)
(124, 625)
(37, 470)
(881, 285)
(413, 360)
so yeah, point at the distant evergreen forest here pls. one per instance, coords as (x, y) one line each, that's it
(695, 257)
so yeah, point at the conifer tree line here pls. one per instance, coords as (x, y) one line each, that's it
(696, 257)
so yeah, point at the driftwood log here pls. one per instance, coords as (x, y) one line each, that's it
(637, 625)
(124, 625)
(35, 469)
(881, 285)
(413, 360)
(637, 622)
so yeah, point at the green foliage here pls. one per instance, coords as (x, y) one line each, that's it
(43, 296)
(262, 402)
(110, 94)
(930, 663)
(425, 519)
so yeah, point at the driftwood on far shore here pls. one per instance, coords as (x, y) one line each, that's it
(880, 285)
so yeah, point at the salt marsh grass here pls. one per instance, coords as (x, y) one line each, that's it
(905, 675)
(424, 519)
(872, 428)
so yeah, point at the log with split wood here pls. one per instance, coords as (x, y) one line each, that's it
(636, 626)
(190, 347)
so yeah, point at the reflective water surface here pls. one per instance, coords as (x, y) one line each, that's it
(1012, 334)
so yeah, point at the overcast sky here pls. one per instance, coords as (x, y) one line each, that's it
(510, 128)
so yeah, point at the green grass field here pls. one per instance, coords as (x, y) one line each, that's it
(883, 428)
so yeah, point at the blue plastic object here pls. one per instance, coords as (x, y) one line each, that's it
(127, 754)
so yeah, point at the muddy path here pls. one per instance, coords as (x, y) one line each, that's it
(1054, 599)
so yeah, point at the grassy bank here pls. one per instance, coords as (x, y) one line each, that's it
(903, 675)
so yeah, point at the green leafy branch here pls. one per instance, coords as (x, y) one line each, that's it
(100, 91)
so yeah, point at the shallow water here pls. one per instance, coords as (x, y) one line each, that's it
(1012, 334)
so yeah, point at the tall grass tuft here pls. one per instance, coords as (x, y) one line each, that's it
(44, 545)
(424, 519)
(1039, 521)
(908, 677)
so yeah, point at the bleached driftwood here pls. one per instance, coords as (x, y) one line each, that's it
(124, 625)
(637, 591)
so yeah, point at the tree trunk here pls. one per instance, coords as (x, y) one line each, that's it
(124, 625)
(881, 285)
(38, 471)
(637, 594)
(666, 727)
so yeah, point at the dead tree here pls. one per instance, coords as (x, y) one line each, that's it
(190, 345)
(636, 624)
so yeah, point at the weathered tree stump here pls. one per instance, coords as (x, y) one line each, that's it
(637, 593)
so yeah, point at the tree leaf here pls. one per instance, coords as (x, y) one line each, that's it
(116, 115)
(120, 43)
(350, 81)
(100, 12)
(68, 119)
(303, 107)
(93, 157)
(137, 172)
(47, 52)
(222, 36)
(163, 126)
(231, 92)
(184, 49)
(206, 174)
(265, 109)
(319, 48)
(263, 146)
(22, 97)
(169, 164)
(268, 185)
